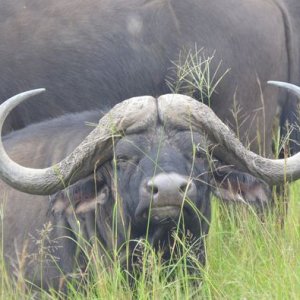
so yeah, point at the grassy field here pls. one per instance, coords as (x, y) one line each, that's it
(246, 259)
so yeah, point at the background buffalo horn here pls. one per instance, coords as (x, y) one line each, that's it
(291, 87)
(188, 113)
(129, 115)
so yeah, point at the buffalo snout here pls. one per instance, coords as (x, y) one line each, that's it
(164, 195)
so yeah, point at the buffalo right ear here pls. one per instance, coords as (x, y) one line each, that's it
(239, 187)
(81, 197)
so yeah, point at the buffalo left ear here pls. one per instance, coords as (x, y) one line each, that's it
(234, 186)
(81, 197)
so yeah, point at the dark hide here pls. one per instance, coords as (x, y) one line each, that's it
(96, 53)
(289, 120)
(90, 202)
(26, 215)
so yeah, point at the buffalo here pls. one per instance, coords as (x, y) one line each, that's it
(150, 164)
(94, 54)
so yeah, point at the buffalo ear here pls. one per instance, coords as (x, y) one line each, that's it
(234, 186)
(81, 197)
(89, 203)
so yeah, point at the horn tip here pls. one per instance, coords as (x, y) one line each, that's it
(274, 82)
(39, 90)
(33, 92)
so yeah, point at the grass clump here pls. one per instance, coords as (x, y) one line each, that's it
(193, 74)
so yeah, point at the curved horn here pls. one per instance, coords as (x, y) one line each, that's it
(129, 115)
(291, 87)
(188, 113)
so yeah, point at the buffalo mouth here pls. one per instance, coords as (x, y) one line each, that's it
(163, 227)
(165, 214)
(164, 237)
(163, 221)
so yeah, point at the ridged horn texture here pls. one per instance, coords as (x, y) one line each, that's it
(131, 115)
(185, 112)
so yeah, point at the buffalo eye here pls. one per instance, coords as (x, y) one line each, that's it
(123, 161)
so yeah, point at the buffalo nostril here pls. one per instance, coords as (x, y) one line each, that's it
(152, 188)
(188, 189)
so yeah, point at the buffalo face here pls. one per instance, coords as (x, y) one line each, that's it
(160, 181)
(156, 184)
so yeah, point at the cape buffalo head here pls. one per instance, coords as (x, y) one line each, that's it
(156, 160)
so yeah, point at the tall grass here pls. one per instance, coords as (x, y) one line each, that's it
(192, 74)
(246, 259)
